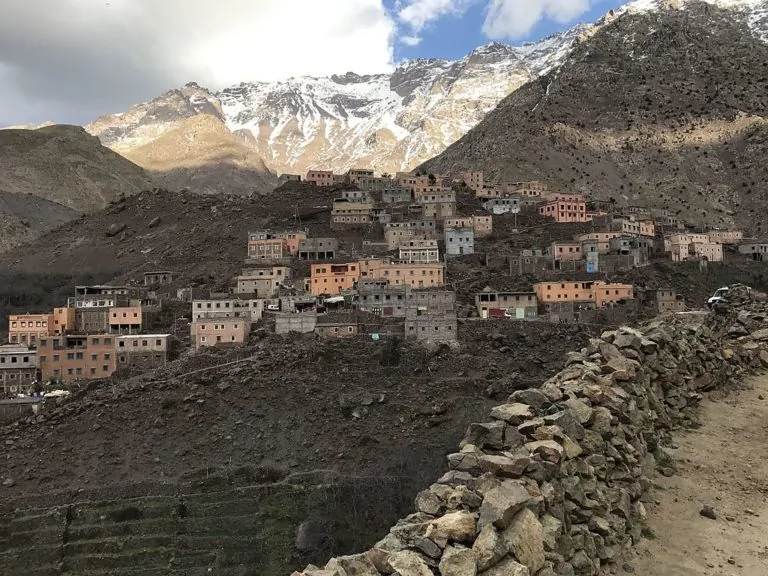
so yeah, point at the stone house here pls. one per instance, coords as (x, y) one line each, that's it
(351, 214)
(300, 322)
(283, 178)
(459, 241)
(356, 196)
(663, 300)
(725, 236)
(396, 237)
(354, 175)
(318, 249)
(684, 247)
(396, 195)
(18, 369)
(564, 251)
(757, 251)
(158, 278)
(378, 297)
(530, 262)
(502, 205)
(262, 282)
(145, 351)
(336, 325)
(602, 238)
(215, 331)
(481, 223)
(521, 305)
(473, 180)
(431, 301)
(431, 327)
(533, 188)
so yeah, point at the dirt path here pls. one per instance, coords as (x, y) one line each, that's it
(724, 464)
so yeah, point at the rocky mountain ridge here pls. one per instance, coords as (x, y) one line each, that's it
(663, 108)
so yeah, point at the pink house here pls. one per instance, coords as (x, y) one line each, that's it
(565, 208)
(213, 331)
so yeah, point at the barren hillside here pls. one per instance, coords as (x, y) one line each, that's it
(666, 109)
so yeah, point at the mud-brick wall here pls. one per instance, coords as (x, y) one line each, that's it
(553, 483)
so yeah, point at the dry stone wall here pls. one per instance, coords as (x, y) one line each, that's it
(554, 483)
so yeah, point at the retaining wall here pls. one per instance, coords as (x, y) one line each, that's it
(554, 483)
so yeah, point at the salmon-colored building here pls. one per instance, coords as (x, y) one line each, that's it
(726, 236)
(599, 293)
(63, 320)
(76, 357)
(473, 180)
(292, 239)
(320, 177)
(125, 320)
(566, 251)
(417, 276)
(565, 208)
(333, 278)
(214, 331)
(29, 328)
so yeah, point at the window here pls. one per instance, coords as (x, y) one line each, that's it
(107, 341)
(70, 356)
(144, 343)
(202, 338)
(158, 342)
(69, 371)
(79, 356)
(94, 357)
(104, 368)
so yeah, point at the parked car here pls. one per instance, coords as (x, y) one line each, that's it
(718, 296)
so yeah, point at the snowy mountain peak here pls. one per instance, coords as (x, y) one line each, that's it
(389, 121)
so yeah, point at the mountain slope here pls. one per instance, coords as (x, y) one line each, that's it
(665, 108)
(391, 121)
(199, 152)
(64, 164)
(24, 217)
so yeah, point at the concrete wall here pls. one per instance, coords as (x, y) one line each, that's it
(303, 322)
(554, 482)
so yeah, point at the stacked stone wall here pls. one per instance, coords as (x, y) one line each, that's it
(554, 482)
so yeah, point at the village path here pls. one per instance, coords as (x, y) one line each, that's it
(724, 465)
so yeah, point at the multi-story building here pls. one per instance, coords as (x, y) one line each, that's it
(431, 301)
(419, 250)
(18, 369)
(378, 297)
(566, 251)
(431, 327)
(415, 275)
(502, 205)
(481, 223)
(145, 351)
(647, 228)
(533, 188)
(459, 241)
(355, 196)
(262, 282)
(250, 310)
(346, 214)
(318, 249)
(64, 320)
(433, 192)
(565, 208)
(473, 180)
(602, 238)
(320, 177)
(396, 195)
(725, 236)
(519, 305)
(214, 331)
(598, 293)
(436, 210)
(684, 247)
(70, 357)
(265, 245)
(336, 325)
(330, 278)
(27, 329)
(663, 300)
(374, 183)
(292, 239)
(353, 175)
(125, 320)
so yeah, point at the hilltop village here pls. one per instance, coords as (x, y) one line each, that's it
(398, 281)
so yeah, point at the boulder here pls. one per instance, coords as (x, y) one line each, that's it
(581, 412)
(428, 502)
(487, 434)
(530, 396)
(458, 562)
(506, 464)
(525, 539)
(408, 563)
(551, 529)
(115, 229)
(549, 450)
(512, 413)
(507, 567)
(460, 526)
(502, 504)
(357, 565)
(489, 548)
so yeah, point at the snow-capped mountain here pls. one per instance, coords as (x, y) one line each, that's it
(388, 121)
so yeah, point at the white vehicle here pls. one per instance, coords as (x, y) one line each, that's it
(718, 296)
(273, 307)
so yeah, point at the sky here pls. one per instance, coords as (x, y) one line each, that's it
(71, 61)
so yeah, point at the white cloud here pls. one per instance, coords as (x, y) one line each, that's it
(514, 19)
(81, 58)
(410, 40)
(418, 13)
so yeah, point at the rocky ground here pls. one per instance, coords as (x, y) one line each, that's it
(723, 465)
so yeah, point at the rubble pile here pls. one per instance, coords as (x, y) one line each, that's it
(554, 483)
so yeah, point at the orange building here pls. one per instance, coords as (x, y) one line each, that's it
(291, 240)
(213, 331)
(598, 293)
(320, 177)
(76, 357)
(29, 328)
(333, 278)
(125, 320)
(63, 320)
(565, 208)
(429, 275)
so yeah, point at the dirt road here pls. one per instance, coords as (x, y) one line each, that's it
(724, 465)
